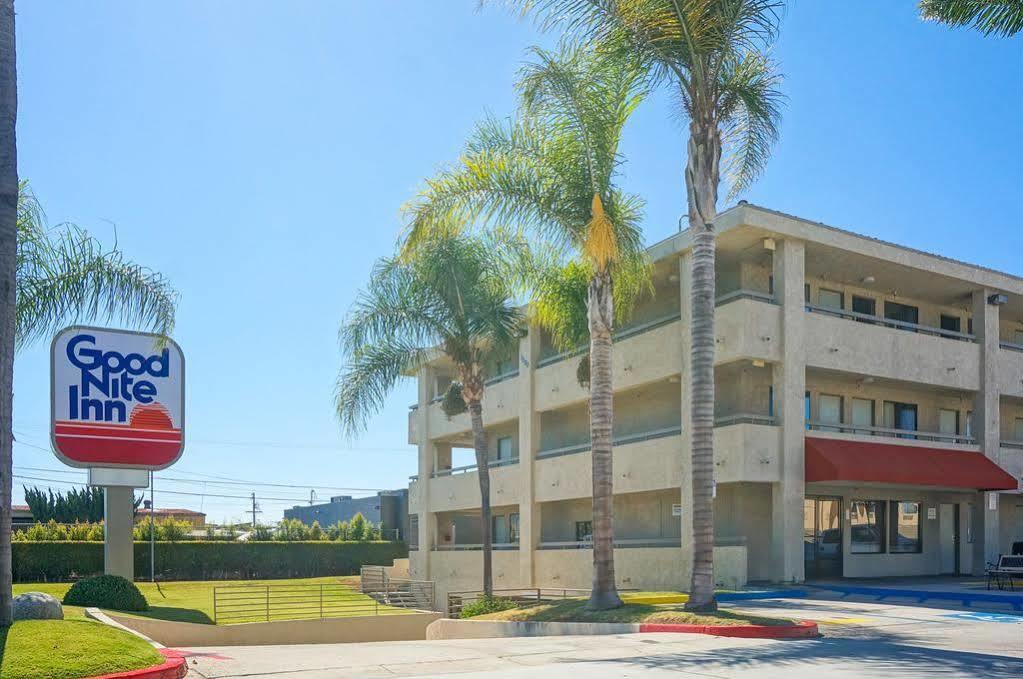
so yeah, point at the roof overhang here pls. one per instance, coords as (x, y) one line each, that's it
(844, 461)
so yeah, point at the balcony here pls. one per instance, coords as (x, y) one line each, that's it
(618, 441)
(1010, 369)
(747, 448)
(958, 440)
(747, 324)
(466, 469)
(890, 323)
(459, 489)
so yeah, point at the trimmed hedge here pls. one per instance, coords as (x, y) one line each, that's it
(106, 591)
(60, 561)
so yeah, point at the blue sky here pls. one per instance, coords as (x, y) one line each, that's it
(257, 154)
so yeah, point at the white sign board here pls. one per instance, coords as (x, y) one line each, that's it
(676, 510)
(117, 398)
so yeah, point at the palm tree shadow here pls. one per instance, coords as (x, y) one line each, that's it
(877, 656)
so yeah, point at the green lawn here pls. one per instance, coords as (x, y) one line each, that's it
(193, 601)
(69, 649)
(574, 610)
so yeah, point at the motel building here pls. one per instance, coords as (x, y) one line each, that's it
(869, 423)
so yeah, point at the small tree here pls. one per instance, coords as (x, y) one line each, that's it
(315, 532)
(357, 528)
(171, 530)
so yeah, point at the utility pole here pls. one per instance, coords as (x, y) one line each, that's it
(152, 530)
(255, 509)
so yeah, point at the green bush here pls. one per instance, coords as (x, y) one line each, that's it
(202, 560)
(487, 604)
(106, 591)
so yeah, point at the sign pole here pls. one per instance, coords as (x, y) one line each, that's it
(152, 530)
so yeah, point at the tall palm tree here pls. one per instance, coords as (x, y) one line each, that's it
(552, 173)
(64, 275)
(8, 285)
(712, 54)
(452, 293)
(998, 17)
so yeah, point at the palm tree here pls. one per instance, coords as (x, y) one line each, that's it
(998, 17)
(8, 285)
(552, 173)
(453, 293)
(711, 53)
(64, 275)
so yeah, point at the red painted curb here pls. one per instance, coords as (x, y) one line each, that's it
(801, 630)
(173, 668)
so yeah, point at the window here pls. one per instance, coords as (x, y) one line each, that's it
(948, 421)
(504, 448)
(831, 299)
(866, 535)
(806, 292)
(952, 323)
(901, 312)
(504, 367)
(513, 527)
(1017, 433)
(770, 284)
(500, 532)
(413, 531)
(862, 414)
(770, 401)
(969, 423)
(900, 416)
(904, 536)
(864, 305)
(583, 531)
(969, 325)
(1017, 337)
(806, 410)
(830, 411)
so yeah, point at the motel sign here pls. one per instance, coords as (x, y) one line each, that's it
(117, 399)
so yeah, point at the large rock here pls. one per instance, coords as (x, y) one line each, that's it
(37, 606)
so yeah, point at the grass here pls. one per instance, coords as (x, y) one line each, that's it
(69, 649)
(192, 601)
(574, 610)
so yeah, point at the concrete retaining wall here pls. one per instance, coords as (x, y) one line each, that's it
(397, 627)
(489, 629)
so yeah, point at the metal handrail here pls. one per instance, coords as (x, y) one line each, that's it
(743, 293)
(1011, 346)
(1012, 443)
(890, 322)
(465, 469)
(620, 441)
(889, 432)
(622, 543)
(474, 547)
(624, 333)
(502, 377)
(745, 418)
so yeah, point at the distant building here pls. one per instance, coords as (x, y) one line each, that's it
(195, 519)
(388, 508)
(21, 515)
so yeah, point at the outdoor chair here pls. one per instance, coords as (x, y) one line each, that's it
(1009, 567)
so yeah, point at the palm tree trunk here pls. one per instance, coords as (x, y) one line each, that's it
(8, 287)
(604, 595)
(479, 441)
(702, 179)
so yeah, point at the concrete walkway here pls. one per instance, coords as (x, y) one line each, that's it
(968, 592)
(861, 640)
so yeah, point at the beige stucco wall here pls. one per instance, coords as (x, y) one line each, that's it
(393, 627)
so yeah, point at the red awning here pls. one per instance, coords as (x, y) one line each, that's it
(905, 465)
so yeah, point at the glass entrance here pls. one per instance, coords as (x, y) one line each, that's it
(822, 537)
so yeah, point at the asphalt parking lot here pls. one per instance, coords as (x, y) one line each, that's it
(860, 639)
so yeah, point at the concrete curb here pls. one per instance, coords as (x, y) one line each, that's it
(99, 616)
(173, 667)
(489, 629)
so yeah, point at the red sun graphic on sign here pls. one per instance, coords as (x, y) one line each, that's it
(150, 416)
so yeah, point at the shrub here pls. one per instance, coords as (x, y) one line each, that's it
(486, 604)
(106, 591)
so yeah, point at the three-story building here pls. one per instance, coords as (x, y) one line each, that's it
(869, 422)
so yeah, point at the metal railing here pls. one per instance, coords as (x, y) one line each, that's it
(889, 432)
(622, 543)
(1012, 443)
(618, 441)
(263, 603)
(472, 547)
(624, 333)
(523, 597)
(376, 583)
(465, 469)
(734, 295)
(890, 323)
(745, 418)
(502, 377)
(1011, 346)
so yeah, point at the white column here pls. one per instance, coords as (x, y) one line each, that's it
(685, 276)
(427, 461)
(790, 389)
(529, 444)
(987, 427)
(119, 524)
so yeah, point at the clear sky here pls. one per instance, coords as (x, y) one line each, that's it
(257, 153)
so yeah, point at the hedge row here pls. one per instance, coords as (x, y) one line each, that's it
(59, 561)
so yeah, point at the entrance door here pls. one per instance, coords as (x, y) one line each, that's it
(822, 537)
(948, 524)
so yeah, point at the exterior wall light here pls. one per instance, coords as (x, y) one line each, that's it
(998, 299)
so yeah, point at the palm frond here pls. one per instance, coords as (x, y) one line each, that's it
(368, 377)
(990, 17)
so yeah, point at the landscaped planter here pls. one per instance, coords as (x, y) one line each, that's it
(486, 629)
(173, 667)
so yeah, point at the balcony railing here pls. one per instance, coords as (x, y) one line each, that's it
(889, 432)
(618, 441)
(1012, 443)
(497, 546)
(734, 295)
(624, 543)
(890, 323)
(745, 418)
(624, 333)
(502, 377)
(466, 469)
(1011, 346)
